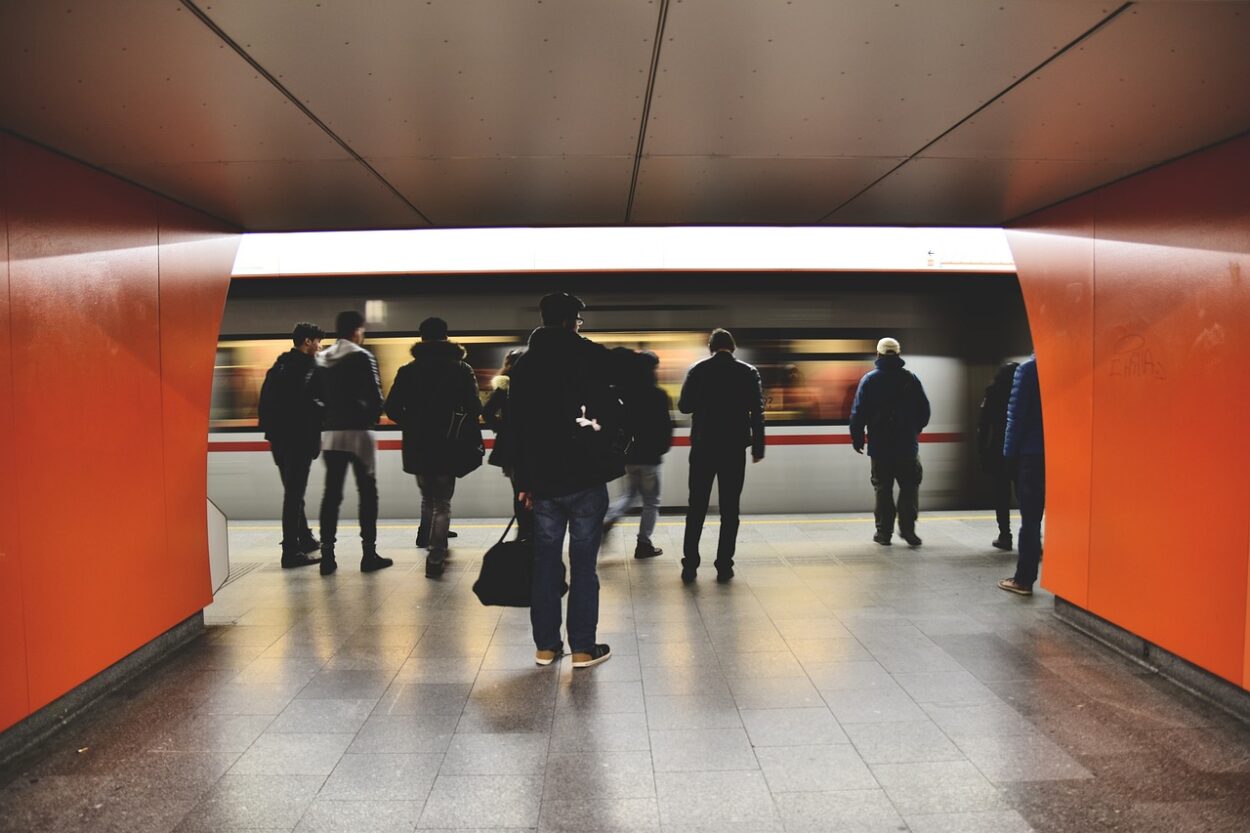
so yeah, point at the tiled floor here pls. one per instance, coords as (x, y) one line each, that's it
(835, 685)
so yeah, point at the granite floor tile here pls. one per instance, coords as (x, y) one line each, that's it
(882, 705)
(322, 716)
(347, 685)
(600, 733)
(593, 695)
(693, 711)
(991, 821)
(478, 801)
(505, 754)
(792, 727)
(861, 811)
(326, 816)
(814, 769)
(1021, 758)
(254, 801)
(907, 742)
(382, 777)
(601, 815)
(716, 801)
(447, 699)
(947, 688)
(404, 733)
(292, 754)
(775, 693)
(706, 750)
(599, 775)
(932, 788)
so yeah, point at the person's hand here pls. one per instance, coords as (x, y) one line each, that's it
(859, 451)
(525, 499)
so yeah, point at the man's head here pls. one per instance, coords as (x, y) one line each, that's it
(350, 325)
(433, 329)
(721, 340)
(307, 337)
(560, 309)
(888, 347)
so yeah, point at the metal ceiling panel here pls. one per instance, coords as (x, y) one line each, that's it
(843, 78)
(453, 78)
(704, 191)
(526, 191)
(1156, 82)
(973, 192)
(281, 196)
(138, 82)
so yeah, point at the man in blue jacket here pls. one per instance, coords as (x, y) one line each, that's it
(890, 402)
(1025, 450)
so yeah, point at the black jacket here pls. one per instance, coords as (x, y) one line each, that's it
(436, 384)
(495, 416)
(353, 394)
(649, 421)
(891, 404)
(291, 404)
(992, 419)
(727, 400)
(560, 375)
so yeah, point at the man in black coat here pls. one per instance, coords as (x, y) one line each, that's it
(290, 415)
(727, 400)
(891, 404)
(434, 400)
(991, 431)
(565, 428)
(353, 397)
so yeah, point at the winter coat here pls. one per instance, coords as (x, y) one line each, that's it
(291, 405)
(561, 383)
(427, 392)
(495, 416)
(992, 419)
(1024, 414)
(726, 398)
(649, 421)
(353, 393)
(891, 404)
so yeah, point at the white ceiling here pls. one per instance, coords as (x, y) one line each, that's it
(346, 114)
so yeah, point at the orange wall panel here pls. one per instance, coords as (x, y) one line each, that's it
(1055, 260)
(14, 703)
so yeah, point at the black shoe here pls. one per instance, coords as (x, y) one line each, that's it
(596, 655)
(1002, 542)
(308, 545)
(883, 540)
(371, 562)
(724, 576)
(328, 564)
(297, 559)
(687, 575)
(912, 539)
(646, 550)
(451, 534)
(433, 566)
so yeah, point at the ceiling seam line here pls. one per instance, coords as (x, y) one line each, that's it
(1024, 77)
(661, 22)
(268, 76)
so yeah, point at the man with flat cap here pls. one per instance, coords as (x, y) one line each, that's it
(891, 404)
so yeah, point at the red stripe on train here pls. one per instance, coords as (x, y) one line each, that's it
(772, 439)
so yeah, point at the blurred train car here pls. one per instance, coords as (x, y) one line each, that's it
(811, 335)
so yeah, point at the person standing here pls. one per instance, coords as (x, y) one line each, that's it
(726, 398)
(290, 411)
(649, 421)
(495, 415)
(1024, 447)
(353, 397)
(991, 430)
(891, 403)
(433, 399)
(564, 425)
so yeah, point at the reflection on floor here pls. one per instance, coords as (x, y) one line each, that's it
(834, 685)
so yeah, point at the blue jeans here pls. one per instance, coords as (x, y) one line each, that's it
(582, 513)
(641, 480)
(1031, 492)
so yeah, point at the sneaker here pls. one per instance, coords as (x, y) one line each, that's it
(297, 559)
(596, 655)
(1002, 542)
(883, 540)
(646, 550)
(328, 564)
(371, 562)
(1009, 584)
(912, 539)
(308, 545)
(434, 565)
(546, 656)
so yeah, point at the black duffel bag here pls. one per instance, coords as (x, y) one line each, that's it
(507, 575)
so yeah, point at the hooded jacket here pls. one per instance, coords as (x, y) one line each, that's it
(992, 418)
(291, 405)
(726, 398)
(353, 394)
(891, 403)
(1024, 414)
(427, 392)
(560, 374)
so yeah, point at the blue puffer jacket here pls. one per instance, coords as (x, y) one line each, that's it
(890, 402)
(1024, 413)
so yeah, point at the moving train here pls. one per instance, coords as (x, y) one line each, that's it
(812, 336)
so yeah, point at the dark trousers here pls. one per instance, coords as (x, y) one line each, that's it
(728, 468)
(1031, 489)
(436, 492)
(907, 472)
(293, 468)
(1000, 482)
(524, 516)
(581, 513)
(366, 485)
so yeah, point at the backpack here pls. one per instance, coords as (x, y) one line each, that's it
(273, 407)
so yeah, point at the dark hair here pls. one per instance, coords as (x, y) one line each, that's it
(510, 359)
(305, 330)
(647, 359)
(348, 322)
(433, 329)
(559, 308)
(721, 339)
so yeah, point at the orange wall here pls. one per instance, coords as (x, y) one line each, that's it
(1139, 300)
(115, 297)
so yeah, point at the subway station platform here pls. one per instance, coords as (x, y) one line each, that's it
(835, 685)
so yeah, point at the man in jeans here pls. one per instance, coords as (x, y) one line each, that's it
(290, 415)
(565, 424)
(890, 402)
(1025, 449)
(649, 420)
(353, 405)
(431, 394)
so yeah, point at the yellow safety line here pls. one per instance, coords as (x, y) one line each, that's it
(710, 522)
